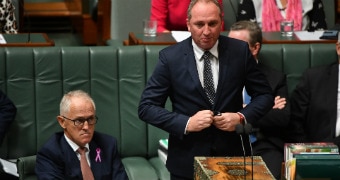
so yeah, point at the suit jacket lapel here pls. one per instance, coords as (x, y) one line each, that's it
(72, 162)
(95, 164)
(192, 68)
(223, 54)
(98, 165)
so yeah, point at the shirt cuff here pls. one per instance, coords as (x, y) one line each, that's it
(186, 126)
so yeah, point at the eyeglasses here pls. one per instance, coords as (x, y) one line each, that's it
(80, 121)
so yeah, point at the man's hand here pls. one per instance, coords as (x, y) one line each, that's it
(279, 103)
(226, 121)
(200, 121)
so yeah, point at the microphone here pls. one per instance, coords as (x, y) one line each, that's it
(247, 130)
(239, 128)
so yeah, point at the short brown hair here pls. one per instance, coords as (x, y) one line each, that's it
(193, 2)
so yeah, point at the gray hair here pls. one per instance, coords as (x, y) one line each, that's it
(65, 102)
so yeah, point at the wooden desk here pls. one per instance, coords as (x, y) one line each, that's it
(231, 168)
(276, 38)
(167, 39)
(27, 40)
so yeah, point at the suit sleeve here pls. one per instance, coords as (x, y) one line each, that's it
(7, 114)
(151, 107)
(299, 109)
(48, 166)
(118, 171)
(277, 119)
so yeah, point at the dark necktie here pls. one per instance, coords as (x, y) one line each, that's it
(208, 77)
(85, 168)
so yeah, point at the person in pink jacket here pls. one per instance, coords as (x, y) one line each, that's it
(171, 15)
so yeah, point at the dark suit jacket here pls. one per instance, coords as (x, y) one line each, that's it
(7, 114)
(273, 124)
(314, 105)
(175, 76)
(57, 160)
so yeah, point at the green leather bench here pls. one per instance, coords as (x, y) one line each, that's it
(36, 78)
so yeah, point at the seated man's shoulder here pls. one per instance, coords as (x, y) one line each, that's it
(103, 137)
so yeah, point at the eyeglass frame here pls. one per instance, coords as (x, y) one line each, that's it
(82, 120)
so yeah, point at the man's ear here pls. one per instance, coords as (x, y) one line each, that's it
(257, 48)
(337, 47)
(61, 121)
(188, 24)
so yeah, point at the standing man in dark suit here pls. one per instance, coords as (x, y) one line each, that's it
(315, 104)
(7, 114)
(204, 113)
(268, 142)
(61, 158)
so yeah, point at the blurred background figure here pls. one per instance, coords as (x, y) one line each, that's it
(267, 138)
(171, 15)
(307, 14)
(315, 105)
(7, 114)
(8, 21)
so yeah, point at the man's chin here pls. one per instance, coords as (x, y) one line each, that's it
(86, 137)
(206, 46)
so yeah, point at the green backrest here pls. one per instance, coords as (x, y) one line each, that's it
(131, 82)
(294, 59)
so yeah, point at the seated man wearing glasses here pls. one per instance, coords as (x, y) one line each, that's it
(79, 152)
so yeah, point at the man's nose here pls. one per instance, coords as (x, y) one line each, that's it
(206, 29)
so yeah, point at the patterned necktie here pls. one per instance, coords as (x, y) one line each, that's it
(208, 77)
(85, 168)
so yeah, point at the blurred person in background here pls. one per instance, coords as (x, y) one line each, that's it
(307, 14)
(315, 104)
(8, 21)
(7, 114)
(267, 140)
(171, 15)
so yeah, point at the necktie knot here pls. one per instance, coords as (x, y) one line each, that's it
(81, 150)
(206, 55)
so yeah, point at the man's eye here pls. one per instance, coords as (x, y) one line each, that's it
(212, 24)
(199, 25)
(80, 120)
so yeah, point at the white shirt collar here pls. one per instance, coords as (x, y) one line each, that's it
(199, 52)
(73, 145)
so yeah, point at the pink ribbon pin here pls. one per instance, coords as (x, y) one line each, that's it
(98, 155)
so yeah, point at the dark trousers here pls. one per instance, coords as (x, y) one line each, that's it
(174, 177)
(271, 155)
